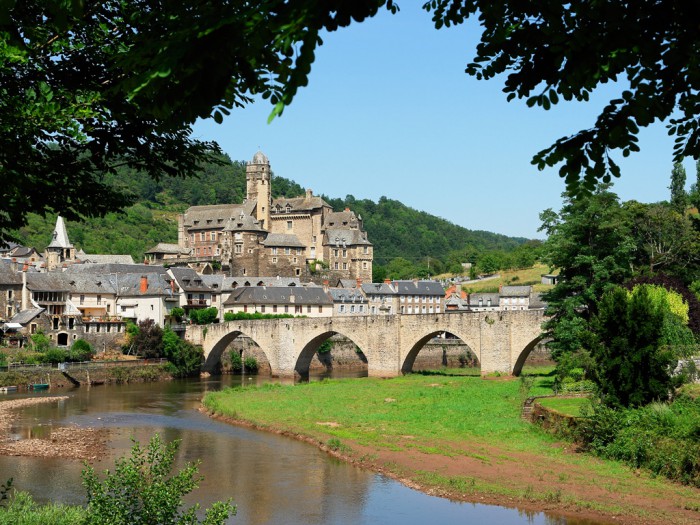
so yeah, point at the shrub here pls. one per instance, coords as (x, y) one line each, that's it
(325, 347)
(242, 316)
(205, 316)
(143, 489)
(236, 361)
(40, 343)
(80, 351)
(23, 509)
(54, 355)
(178, 313)
(251, 364)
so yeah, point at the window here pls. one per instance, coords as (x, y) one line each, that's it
(297, 308)
(212, 236)
(201, 236)
(9, 294)
(320, 309)
(262, 308)
(274, 260)
(365, 250)
(99, 299)
(341, 308)
(294, 260)
(335, 253)
(345, 253)
(274, 251)
(123, 308)
(82, 299)
(32, 328)
(335, 266)
(287, 251)
(239, 249)
(361, 308)
(308, 309)
(345, 266)
(352, 308)
(286, 308)
(298, 251)
(297, 271)
(364, 265)
(274, 308)
(289, 225)
(313, 239)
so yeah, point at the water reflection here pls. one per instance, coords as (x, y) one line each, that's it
(273, 480)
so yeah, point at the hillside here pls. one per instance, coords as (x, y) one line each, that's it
(395, 229)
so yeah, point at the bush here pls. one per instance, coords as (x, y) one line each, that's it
(205, 316)
(23, 509)
(251, 365)
(325, 347)
(54, 355)
(80, 351)
(236, 361)
(40, 343)
(178, 313)
(142, 489)
(243, 316)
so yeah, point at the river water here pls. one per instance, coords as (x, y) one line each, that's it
(273, 480)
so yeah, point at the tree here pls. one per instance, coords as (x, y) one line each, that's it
(590, 242)
(637, 339)
(89, 86)
(143, 489)
(679, 197)
(148, 341)
(553, 50)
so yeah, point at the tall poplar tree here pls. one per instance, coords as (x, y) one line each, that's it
(679, 198)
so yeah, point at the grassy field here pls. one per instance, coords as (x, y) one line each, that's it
(456, 435)
(528, 276)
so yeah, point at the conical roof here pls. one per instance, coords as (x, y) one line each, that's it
(60, 235)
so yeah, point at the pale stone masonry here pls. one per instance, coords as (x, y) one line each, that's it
(288, 237)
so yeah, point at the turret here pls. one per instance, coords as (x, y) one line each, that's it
(258, 179)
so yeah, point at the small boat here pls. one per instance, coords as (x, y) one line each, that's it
(6, 389)
(39, 386)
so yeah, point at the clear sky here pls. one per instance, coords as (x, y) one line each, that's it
(390, 112)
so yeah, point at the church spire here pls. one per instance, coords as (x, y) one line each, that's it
(60, 235)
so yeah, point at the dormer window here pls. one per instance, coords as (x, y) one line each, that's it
(289, 208)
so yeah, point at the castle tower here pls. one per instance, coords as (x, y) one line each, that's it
(258, 177)
(60, 249)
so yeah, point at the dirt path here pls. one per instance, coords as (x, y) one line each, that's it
(64, 442)
(490, 474)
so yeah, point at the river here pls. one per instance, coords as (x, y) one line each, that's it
(273, 480)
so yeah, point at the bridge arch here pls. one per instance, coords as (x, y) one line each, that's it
(213, 358)
(308, 351)
(524, 353)
(410, 358)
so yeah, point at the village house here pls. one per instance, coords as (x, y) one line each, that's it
(192, 291)
(349, 301)
(222, 286)
(381, 298)
(307, 301)
(420, 297)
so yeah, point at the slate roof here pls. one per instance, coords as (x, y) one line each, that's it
(158, 284)
(166, 247)
(89, 283)
(107, 259)
(222, 283)
(7, 246)
(378, 289)
(115, 268)
(60, 235)
(47, 282)
(189, 280)
(196, 217)
(348, 236)
(341, 219)
(419, 288)
(297, 204)
(283, 240)
(347, 295)
(7, 276)
(536, 302)
(347, 283)
(515, 291)
(25, 316)
(279, 295)
(243, 223)
(474, 299)
(22, 251)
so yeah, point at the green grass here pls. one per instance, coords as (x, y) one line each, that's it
(22, 510)
(451, 415)
(569, 406)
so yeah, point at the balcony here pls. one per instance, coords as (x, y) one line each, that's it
(197, 302)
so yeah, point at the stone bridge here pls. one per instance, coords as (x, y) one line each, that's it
(501, 340)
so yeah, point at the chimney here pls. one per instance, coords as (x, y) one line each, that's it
(325, 285)
(25, 291)
(387, 281)
(309, 193)
(172, 285)
(359, 283)
(144, 284)
(347, 209)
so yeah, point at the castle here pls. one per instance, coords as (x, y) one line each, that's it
(287, 237)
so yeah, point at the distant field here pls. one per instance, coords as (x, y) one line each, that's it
(529, 276)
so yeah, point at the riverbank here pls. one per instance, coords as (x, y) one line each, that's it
(461, 438)
(62, 442)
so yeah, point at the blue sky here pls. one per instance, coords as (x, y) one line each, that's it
(390, 112)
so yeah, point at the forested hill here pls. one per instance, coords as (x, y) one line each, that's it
(395, 229)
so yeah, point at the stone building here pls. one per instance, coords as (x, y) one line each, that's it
(290, 237)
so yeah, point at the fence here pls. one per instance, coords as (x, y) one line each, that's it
(92, 365)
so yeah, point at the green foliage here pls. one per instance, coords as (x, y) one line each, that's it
(242, 316)
(40, 342)
(54, 355)
(251, 364)
(178, 313)
(236, 360)
(204, 316)
(22, 509)
(185, 358)
(636, 343)
(143, 489)
(148, 340)
(679, 197)
(81, 350)
(3, 359)
(663, 437)
(325, 347)
(5, 488)
(533, 47)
